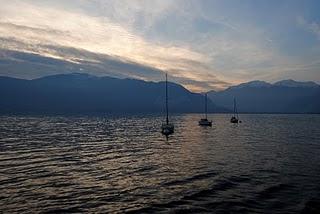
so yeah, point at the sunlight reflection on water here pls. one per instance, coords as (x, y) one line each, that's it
(117, 164)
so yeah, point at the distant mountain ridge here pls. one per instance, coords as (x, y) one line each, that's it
(79, 93)
(255, 83)
(285, 83)
(293, 83)
(285, 96)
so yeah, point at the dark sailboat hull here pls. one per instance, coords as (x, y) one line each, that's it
(167, 129)
(234, 120)
(205, 122)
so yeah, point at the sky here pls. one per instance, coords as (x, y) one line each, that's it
(202, 44)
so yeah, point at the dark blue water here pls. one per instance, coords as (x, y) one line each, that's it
(267, 164)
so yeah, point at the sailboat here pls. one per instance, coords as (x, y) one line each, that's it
(167, 128)
(235, 117)
(205, 121)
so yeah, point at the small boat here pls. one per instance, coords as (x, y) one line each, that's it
(167, 128)
(205, 121)
(234, 120)
(235, 117)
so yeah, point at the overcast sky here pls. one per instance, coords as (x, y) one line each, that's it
(219, 43)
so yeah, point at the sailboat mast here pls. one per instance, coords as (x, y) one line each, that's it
(205, 108)
(167, 119)
(234, 107)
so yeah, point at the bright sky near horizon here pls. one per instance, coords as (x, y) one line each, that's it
(219, 43)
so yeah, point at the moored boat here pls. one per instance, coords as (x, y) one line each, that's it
(167, 128)
(235, 117)
(205, 121)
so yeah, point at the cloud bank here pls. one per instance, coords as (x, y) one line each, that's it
(201, 44)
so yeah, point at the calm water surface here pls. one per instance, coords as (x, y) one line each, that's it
(267, 164)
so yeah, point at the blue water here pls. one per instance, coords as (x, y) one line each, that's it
(266, 164)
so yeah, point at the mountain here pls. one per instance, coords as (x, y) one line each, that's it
(79, 93)
(292, 83)
(286, 96)
(255, 84)
(28, 65)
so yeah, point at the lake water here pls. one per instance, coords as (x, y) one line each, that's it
(266, 164)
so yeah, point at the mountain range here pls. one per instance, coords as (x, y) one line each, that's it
(286, 96)
(79, 93)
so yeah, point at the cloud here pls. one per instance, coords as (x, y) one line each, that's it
(39, 26)
(202, 44)
(312, 27)
(30, 65)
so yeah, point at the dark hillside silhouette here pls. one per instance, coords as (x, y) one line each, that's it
(85, 94)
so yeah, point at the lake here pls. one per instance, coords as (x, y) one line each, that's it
(266, 164)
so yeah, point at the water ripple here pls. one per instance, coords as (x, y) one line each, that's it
(123, 164)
